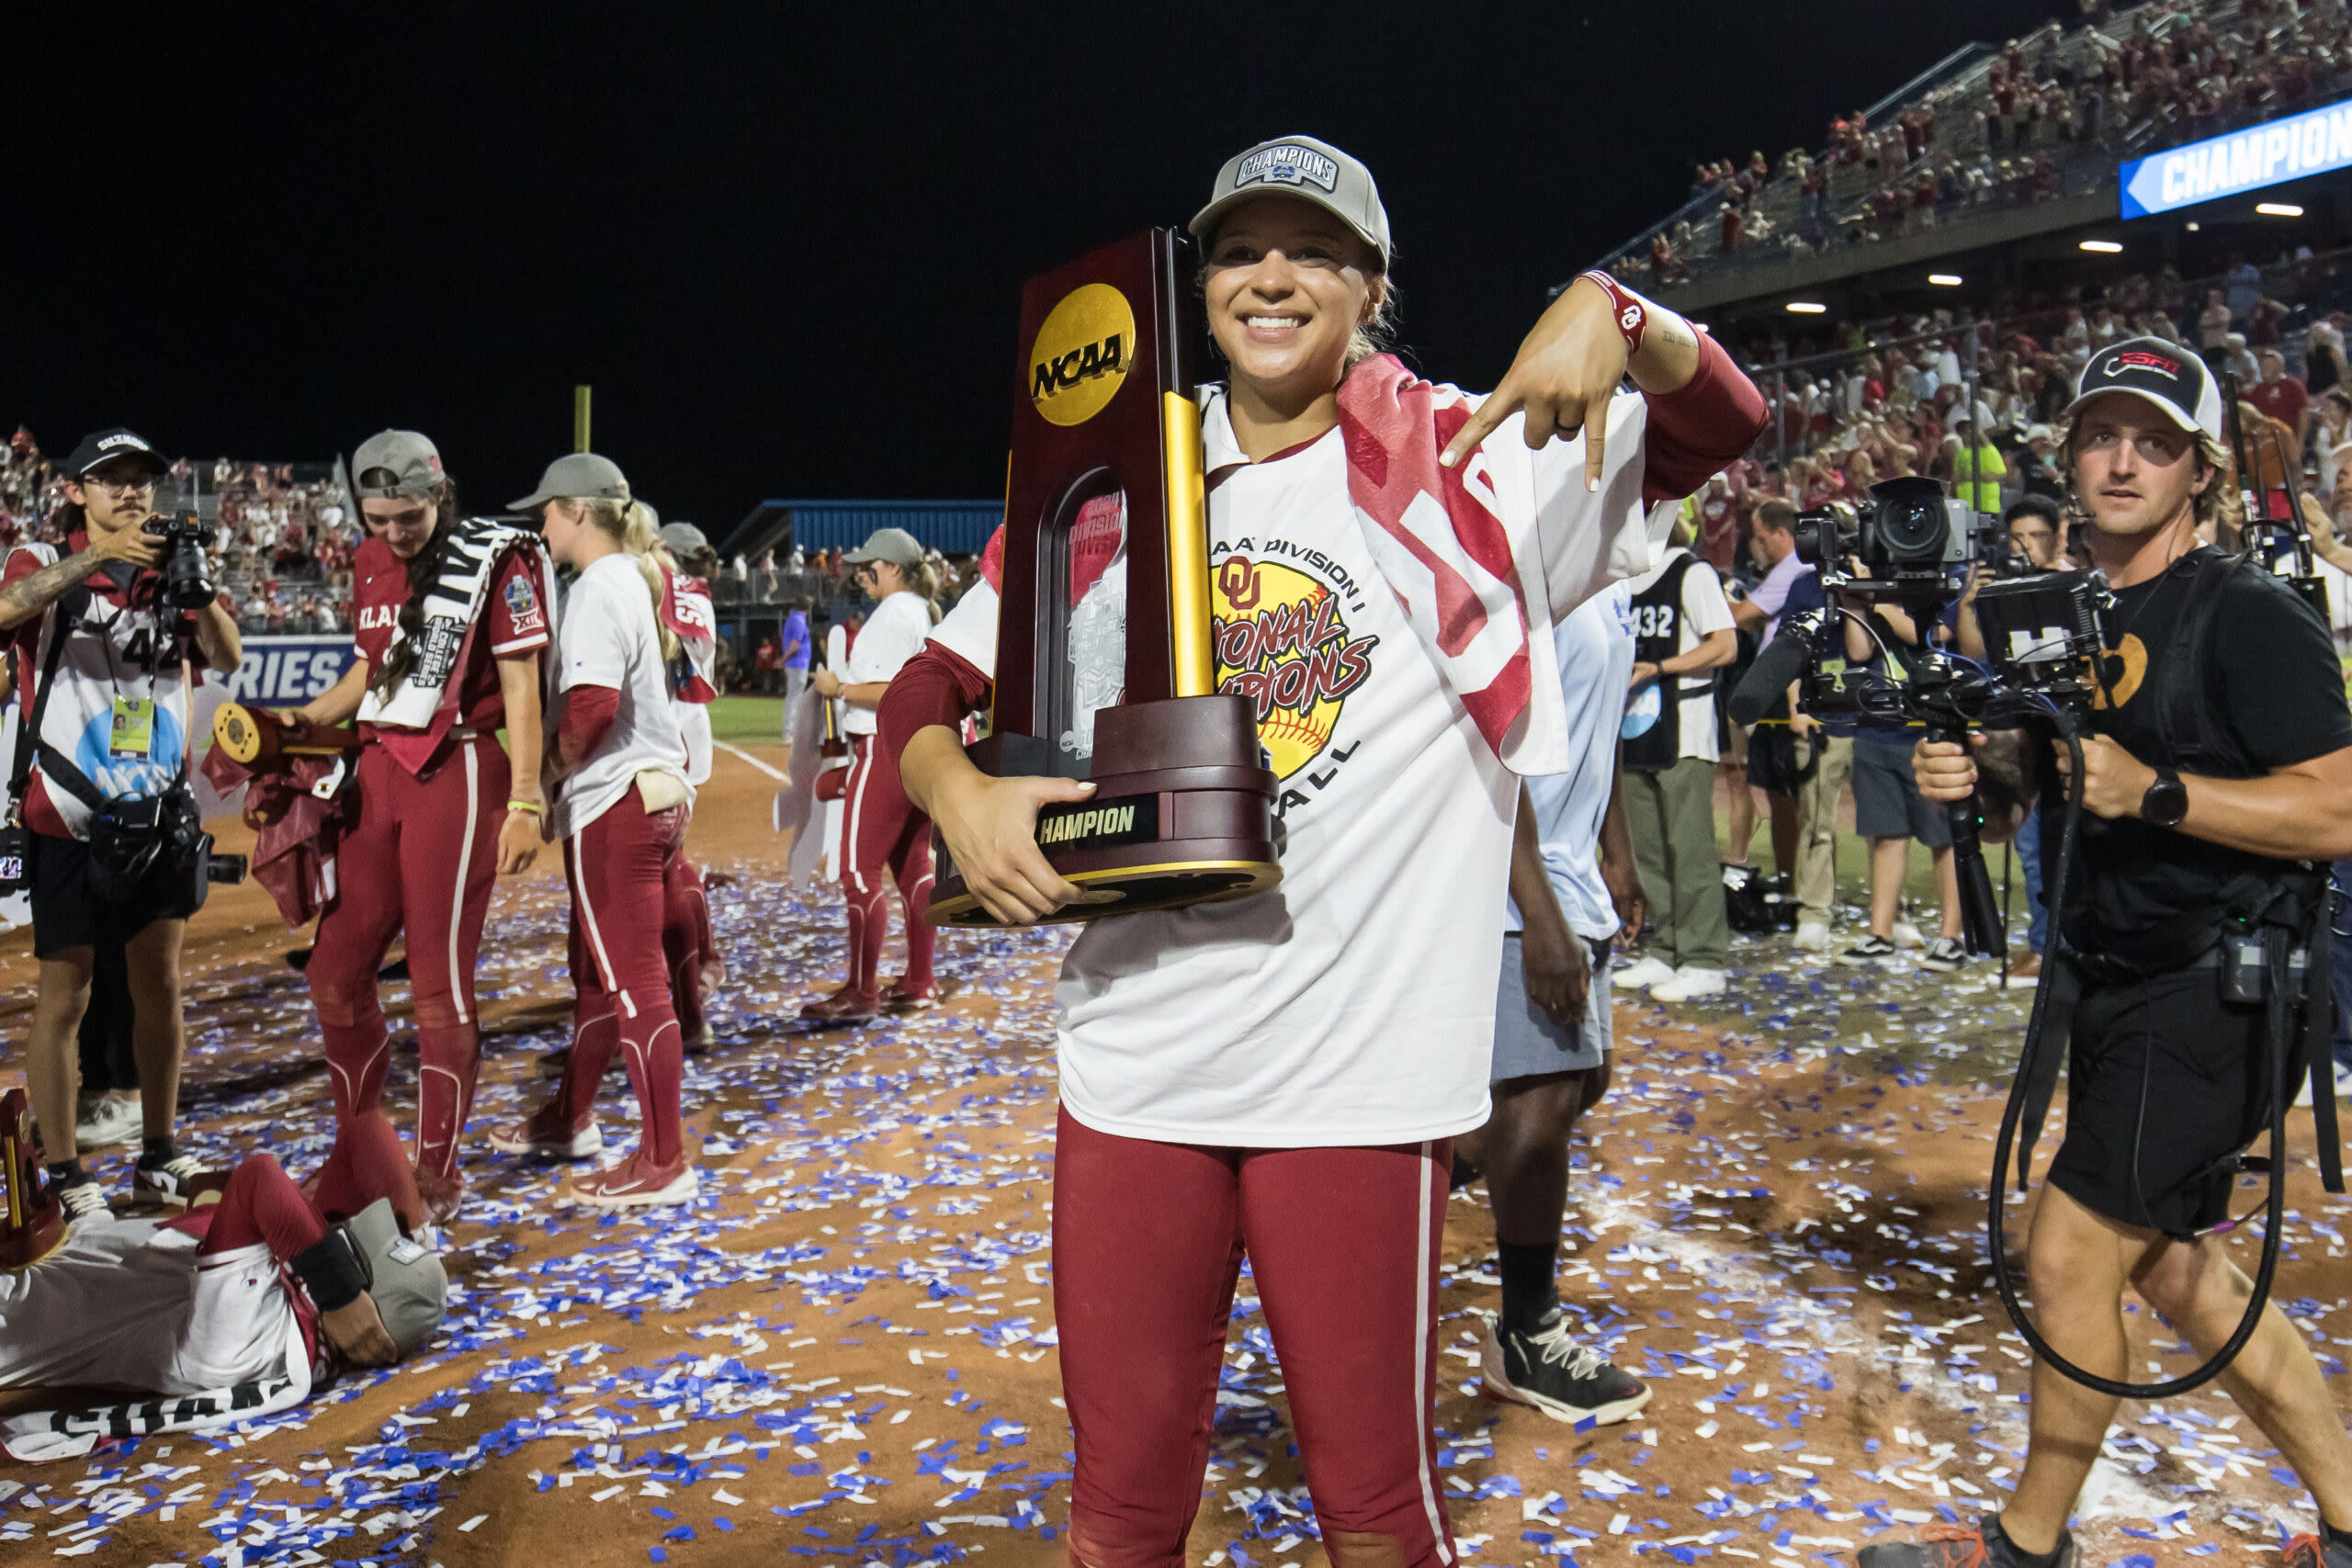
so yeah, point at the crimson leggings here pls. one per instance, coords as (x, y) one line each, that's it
(261, 1203)
(617, 866)
(1343, 1247)
(881, 828)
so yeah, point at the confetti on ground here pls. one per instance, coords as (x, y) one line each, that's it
(844, 1352)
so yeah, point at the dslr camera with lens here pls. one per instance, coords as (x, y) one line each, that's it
(188, 575)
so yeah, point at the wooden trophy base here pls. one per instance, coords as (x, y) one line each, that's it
(1183, 812)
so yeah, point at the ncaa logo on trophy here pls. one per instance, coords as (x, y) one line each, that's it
(1107, 665)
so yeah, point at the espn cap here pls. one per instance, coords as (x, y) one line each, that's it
(404, 1278)
(395, 464)
(579, 474)
(106, 445)
(893, 544)
(684, 539)
(2166, 374)
(1310, 170)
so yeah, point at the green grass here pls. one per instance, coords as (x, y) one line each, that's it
(1854, 872)
(747, 721)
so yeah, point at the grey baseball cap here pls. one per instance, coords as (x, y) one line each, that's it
(394, 464)
(577, 475)
(893, 544)
(404, 1278)
(684, 539)
(1310, 170)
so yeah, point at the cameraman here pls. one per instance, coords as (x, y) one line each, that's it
(109, 725)
(2167, 1077)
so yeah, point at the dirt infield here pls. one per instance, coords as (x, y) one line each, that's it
(844, 1351)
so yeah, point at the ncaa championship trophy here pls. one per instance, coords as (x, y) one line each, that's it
(1104, 664)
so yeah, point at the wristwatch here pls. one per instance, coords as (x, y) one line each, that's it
(2166, 801)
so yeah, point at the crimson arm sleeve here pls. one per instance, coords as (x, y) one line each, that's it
(1696, 432)
(588, 715)
(934, 687)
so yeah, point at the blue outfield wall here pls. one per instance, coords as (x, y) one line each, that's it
(952, 528)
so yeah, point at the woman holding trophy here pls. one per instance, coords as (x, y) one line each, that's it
(1282, 1074)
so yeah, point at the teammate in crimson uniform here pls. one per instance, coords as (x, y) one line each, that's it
(686, 610)
(879, 828)
(621, 808)
(450, 615)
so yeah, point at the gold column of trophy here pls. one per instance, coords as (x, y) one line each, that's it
(1104, 667)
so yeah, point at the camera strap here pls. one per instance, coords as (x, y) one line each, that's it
(2319, 1036)
(66, 609)
(2192, 743)
(2045, 1055)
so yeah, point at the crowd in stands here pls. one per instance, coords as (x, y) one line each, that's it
(2008, 132)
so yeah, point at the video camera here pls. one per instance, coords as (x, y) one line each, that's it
(1917, 548)
(188, 575)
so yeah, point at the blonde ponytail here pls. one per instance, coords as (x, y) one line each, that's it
(630, 524)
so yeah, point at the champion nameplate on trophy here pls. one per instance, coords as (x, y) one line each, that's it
(1104, 667)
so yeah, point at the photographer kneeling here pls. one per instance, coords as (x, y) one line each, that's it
(2219, 756)
(107, 825)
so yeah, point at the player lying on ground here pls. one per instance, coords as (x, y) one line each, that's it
(231, 1311)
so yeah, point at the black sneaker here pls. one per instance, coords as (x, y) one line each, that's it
(1961, 1546)
(1563, 1379)
(1943, 955)
(85, 1202)
(1871, 949)
(179, 1182)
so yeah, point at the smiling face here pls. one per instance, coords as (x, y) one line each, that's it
(2135, 470)
(1287, 286)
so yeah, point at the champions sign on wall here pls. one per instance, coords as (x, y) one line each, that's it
(2291, 149)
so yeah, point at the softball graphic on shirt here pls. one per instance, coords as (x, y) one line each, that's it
(1281, 641)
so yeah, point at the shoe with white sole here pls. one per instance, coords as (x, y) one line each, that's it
(545, 1135)
(1944, 954)
(1872, 949)
(1690, 984)
(85, 1202)
(180, 1181)
(107, 1120)
(636, 1183)
(1566, 1381)
(1906, 936)
(1641, 971)
(1813, 937)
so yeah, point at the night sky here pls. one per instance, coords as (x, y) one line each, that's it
(785, 242)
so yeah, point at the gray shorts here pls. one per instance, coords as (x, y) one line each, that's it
(1526, 1040)
(1887, 802)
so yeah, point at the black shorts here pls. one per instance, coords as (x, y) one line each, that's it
(1772, 764)
(65, 914)
(2165, 1078)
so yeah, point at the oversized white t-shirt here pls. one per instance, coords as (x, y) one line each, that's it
(1596, 653)
(891, 636)
(1704, 610)
(1354, 1002)
(607, 637)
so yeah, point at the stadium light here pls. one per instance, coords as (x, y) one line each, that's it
(1944, 280)
(2103, 247)
(1807, 307)
(2194, 225)
(2277, 209)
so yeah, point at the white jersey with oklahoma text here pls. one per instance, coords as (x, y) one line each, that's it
(608, 636)
(890, 636)
(1354, 1003)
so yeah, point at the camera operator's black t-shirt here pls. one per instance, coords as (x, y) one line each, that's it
(2275, 685)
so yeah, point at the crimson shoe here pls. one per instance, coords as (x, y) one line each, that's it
(2316, 1551)
(848, 1004)
(1963, 1546)
(636, 1183)
(440, 1194)
(900, 998)
(178, 1182)
(545, 1135)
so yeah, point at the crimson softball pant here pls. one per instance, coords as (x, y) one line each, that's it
(420, 860)
(1343, 1246)
(261, 1203)
(616, 865)
(686, 947)
(881, 827)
